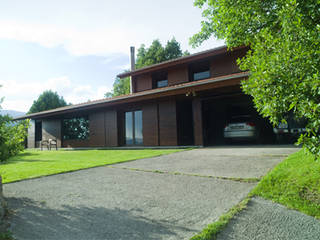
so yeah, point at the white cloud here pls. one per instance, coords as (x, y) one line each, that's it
(19, 96)
(100, 42)
(111, 39)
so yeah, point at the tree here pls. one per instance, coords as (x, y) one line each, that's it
(284, 59)
(156, 53)
(46, 101)
(12, 136)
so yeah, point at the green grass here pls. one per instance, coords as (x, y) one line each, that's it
(295, 183)
(33, 163)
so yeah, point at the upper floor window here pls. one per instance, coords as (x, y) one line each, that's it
(159, 80)
(162, 83)
(199, 71)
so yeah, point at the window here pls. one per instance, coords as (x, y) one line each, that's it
(162, 83)
(201, 75)
(133, 124)
(75, 128)
(159, 80)
(38, 130)
(199, 71)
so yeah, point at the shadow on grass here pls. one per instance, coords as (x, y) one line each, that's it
(34, 220)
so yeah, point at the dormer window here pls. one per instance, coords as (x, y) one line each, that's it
(199, 71)
(160, 79)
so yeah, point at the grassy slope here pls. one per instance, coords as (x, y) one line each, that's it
(30, 164)
(295, 183)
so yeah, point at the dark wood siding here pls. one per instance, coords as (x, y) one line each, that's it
(168, 123)
(150, 124)
(74, 143)
(224, 65)
(111, 126)
(142, 83)
(97, 129)
(178, 75)
(51, 129)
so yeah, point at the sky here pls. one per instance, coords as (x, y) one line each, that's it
(77, 47)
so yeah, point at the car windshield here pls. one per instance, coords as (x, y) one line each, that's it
(240, 119)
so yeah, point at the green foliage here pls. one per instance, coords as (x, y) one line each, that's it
(12, 137)
(34, 163)
(294, 183)
(121, 86)
(284, 60)
(156, 53)
(75, 128)
(46, 101)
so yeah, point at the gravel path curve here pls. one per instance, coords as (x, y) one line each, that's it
(270, 221)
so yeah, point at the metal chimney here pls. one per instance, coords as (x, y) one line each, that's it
(133, 65)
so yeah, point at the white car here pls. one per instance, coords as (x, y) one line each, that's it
(241, 127)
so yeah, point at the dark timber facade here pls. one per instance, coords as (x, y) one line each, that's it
(179, 102)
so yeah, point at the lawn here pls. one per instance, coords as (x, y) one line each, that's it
(34, 163)
(295, 183)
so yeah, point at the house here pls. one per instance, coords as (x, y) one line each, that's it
(185, 101)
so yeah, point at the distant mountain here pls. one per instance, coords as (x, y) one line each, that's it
(11, 113)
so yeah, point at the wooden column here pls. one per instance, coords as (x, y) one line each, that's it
(197, 122)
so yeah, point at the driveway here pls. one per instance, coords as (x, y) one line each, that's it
(143, 199)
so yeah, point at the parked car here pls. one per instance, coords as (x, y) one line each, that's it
(241, 127)
(290, 130)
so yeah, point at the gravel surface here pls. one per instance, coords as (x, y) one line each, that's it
(270, 221)
(232, 162)
(108, 203)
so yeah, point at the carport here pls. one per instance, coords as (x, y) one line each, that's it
(218, 109)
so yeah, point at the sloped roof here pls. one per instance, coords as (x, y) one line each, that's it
(181, 60)
(144, 95)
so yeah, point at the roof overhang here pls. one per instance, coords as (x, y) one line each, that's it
(211, 83)
(182, 60)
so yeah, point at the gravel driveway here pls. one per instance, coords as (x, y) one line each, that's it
(120, 203)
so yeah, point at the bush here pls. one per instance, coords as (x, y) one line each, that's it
(12, 137)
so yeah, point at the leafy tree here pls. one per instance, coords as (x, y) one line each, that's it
(12, 136)
(46, 101)
(156, 53)
(284, 59)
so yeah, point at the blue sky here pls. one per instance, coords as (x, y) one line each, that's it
(78, 47)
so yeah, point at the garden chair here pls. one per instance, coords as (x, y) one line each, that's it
(49, 143)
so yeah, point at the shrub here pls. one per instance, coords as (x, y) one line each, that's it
(12, 136)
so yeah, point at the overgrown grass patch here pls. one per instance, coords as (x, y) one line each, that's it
(34, 163)
(212, 230)
(295, 183)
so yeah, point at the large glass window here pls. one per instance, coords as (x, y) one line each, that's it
(129, 128)
(133, 122)
(75, 128)
(138, 127)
